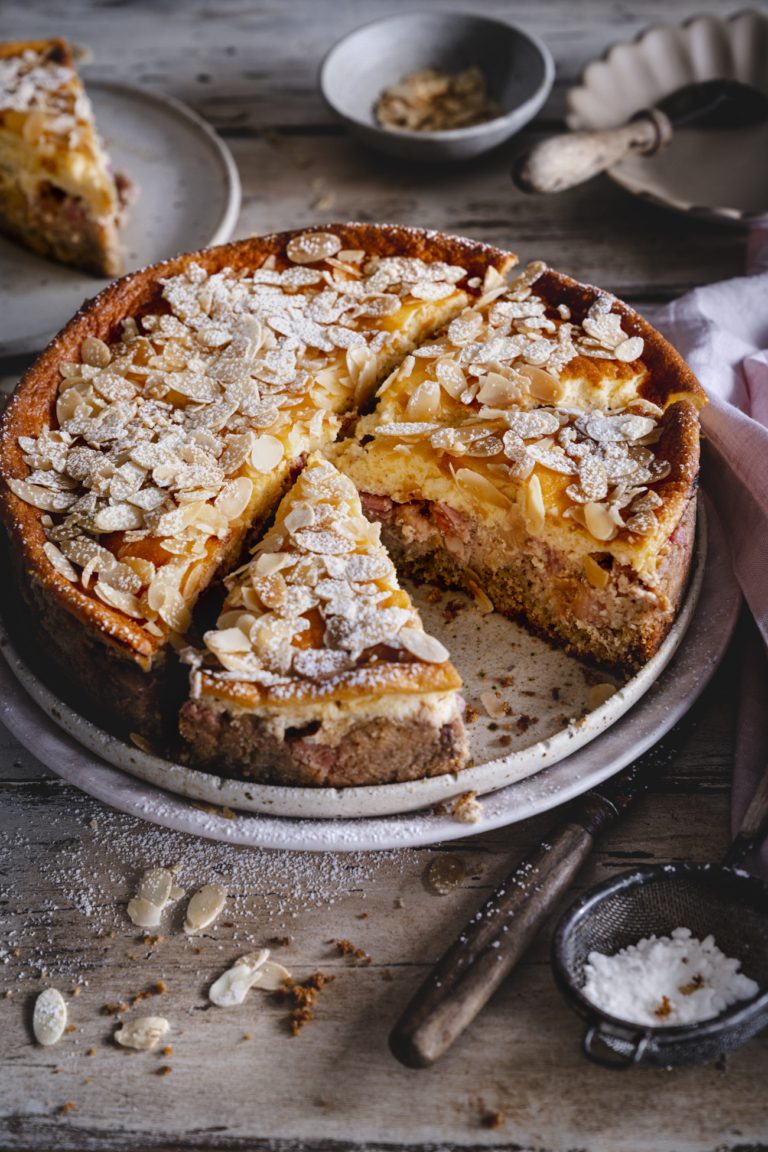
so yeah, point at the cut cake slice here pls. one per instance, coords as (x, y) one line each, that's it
(319, 671)
(58, 195)
(169, 417)
(544, 449)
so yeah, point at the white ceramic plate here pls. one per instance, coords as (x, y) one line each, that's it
(654, 715)
(717, 174)
(189, 198)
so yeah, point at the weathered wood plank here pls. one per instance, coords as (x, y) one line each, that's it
(247, 65)
(251, 68)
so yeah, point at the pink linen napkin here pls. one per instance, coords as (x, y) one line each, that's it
(722, 331)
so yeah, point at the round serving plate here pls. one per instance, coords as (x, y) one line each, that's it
(709, 173)
(188, 198)
(677, 687)
(528, 706)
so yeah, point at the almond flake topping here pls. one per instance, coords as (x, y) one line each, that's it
(164, 432)
(319, 595)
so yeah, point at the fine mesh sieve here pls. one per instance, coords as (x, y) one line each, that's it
(707, 898)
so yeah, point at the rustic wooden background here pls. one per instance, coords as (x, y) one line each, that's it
(238, 1080)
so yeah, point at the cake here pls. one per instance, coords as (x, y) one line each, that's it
(167, 419)
(535, 442)
(58, 195)
(318, 670)
(542, 452)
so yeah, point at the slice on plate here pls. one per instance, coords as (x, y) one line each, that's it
(169, 417)
(58, 195)
(542, 450)
(319, 671)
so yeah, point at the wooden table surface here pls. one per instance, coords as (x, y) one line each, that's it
(237, 1079)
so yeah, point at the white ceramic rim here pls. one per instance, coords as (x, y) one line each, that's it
(643, 726)
(529, 107)
(722, 213)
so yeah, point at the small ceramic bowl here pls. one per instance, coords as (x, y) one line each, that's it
(518, 68)
(717, 174)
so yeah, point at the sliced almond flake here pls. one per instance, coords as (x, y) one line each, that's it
(480, 488)
(95, 352)
(535, 511)
(406, 429)
(481, 597)
(599, 522)
(271, 977)
(155, 885)
(629, 350)
(118, 518)
(642, 523)
(143, 1033)
(143, 913)
(542, 385)
(266, 453)
(59, 562)
(234, 498)
(534, 424)
(232, 987)
(49, 1018)
(331, 543)
(496, 708)
(39, 497)
(269, 562)
(598, 694)
(310, 247)
(123, 601)
(451, 377)
(204, 907)
(424, 404)
(423, 646)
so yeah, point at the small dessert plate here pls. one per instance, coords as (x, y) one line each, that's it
(189, 198)
(717, 174)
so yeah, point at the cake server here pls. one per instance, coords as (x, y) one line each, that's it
(563, 161)
(497, 937)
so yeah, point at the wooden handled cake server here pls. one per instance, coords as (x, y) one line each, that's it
(497, 937)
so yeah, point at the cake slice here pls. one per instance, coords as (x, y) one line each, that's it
(58, 195)
(542, 451)
(319, 671)
(170, 416)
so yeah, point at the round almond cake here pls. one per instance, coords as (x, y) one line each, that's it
(214, 476)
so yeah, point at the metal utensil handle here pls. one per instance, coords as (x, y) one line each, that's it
(499, 934)
(616, 1059)
(564, 161)
(487, 950)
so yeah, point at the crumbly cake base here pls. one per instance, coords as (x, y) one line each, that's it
(371, 750)
(59, 226)
(618, 626)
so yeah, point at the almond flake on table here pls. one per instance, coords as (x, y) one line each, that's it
(204, 907)
(255, 968)
(142, 1033)
(154, 892)
(49, 1018)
